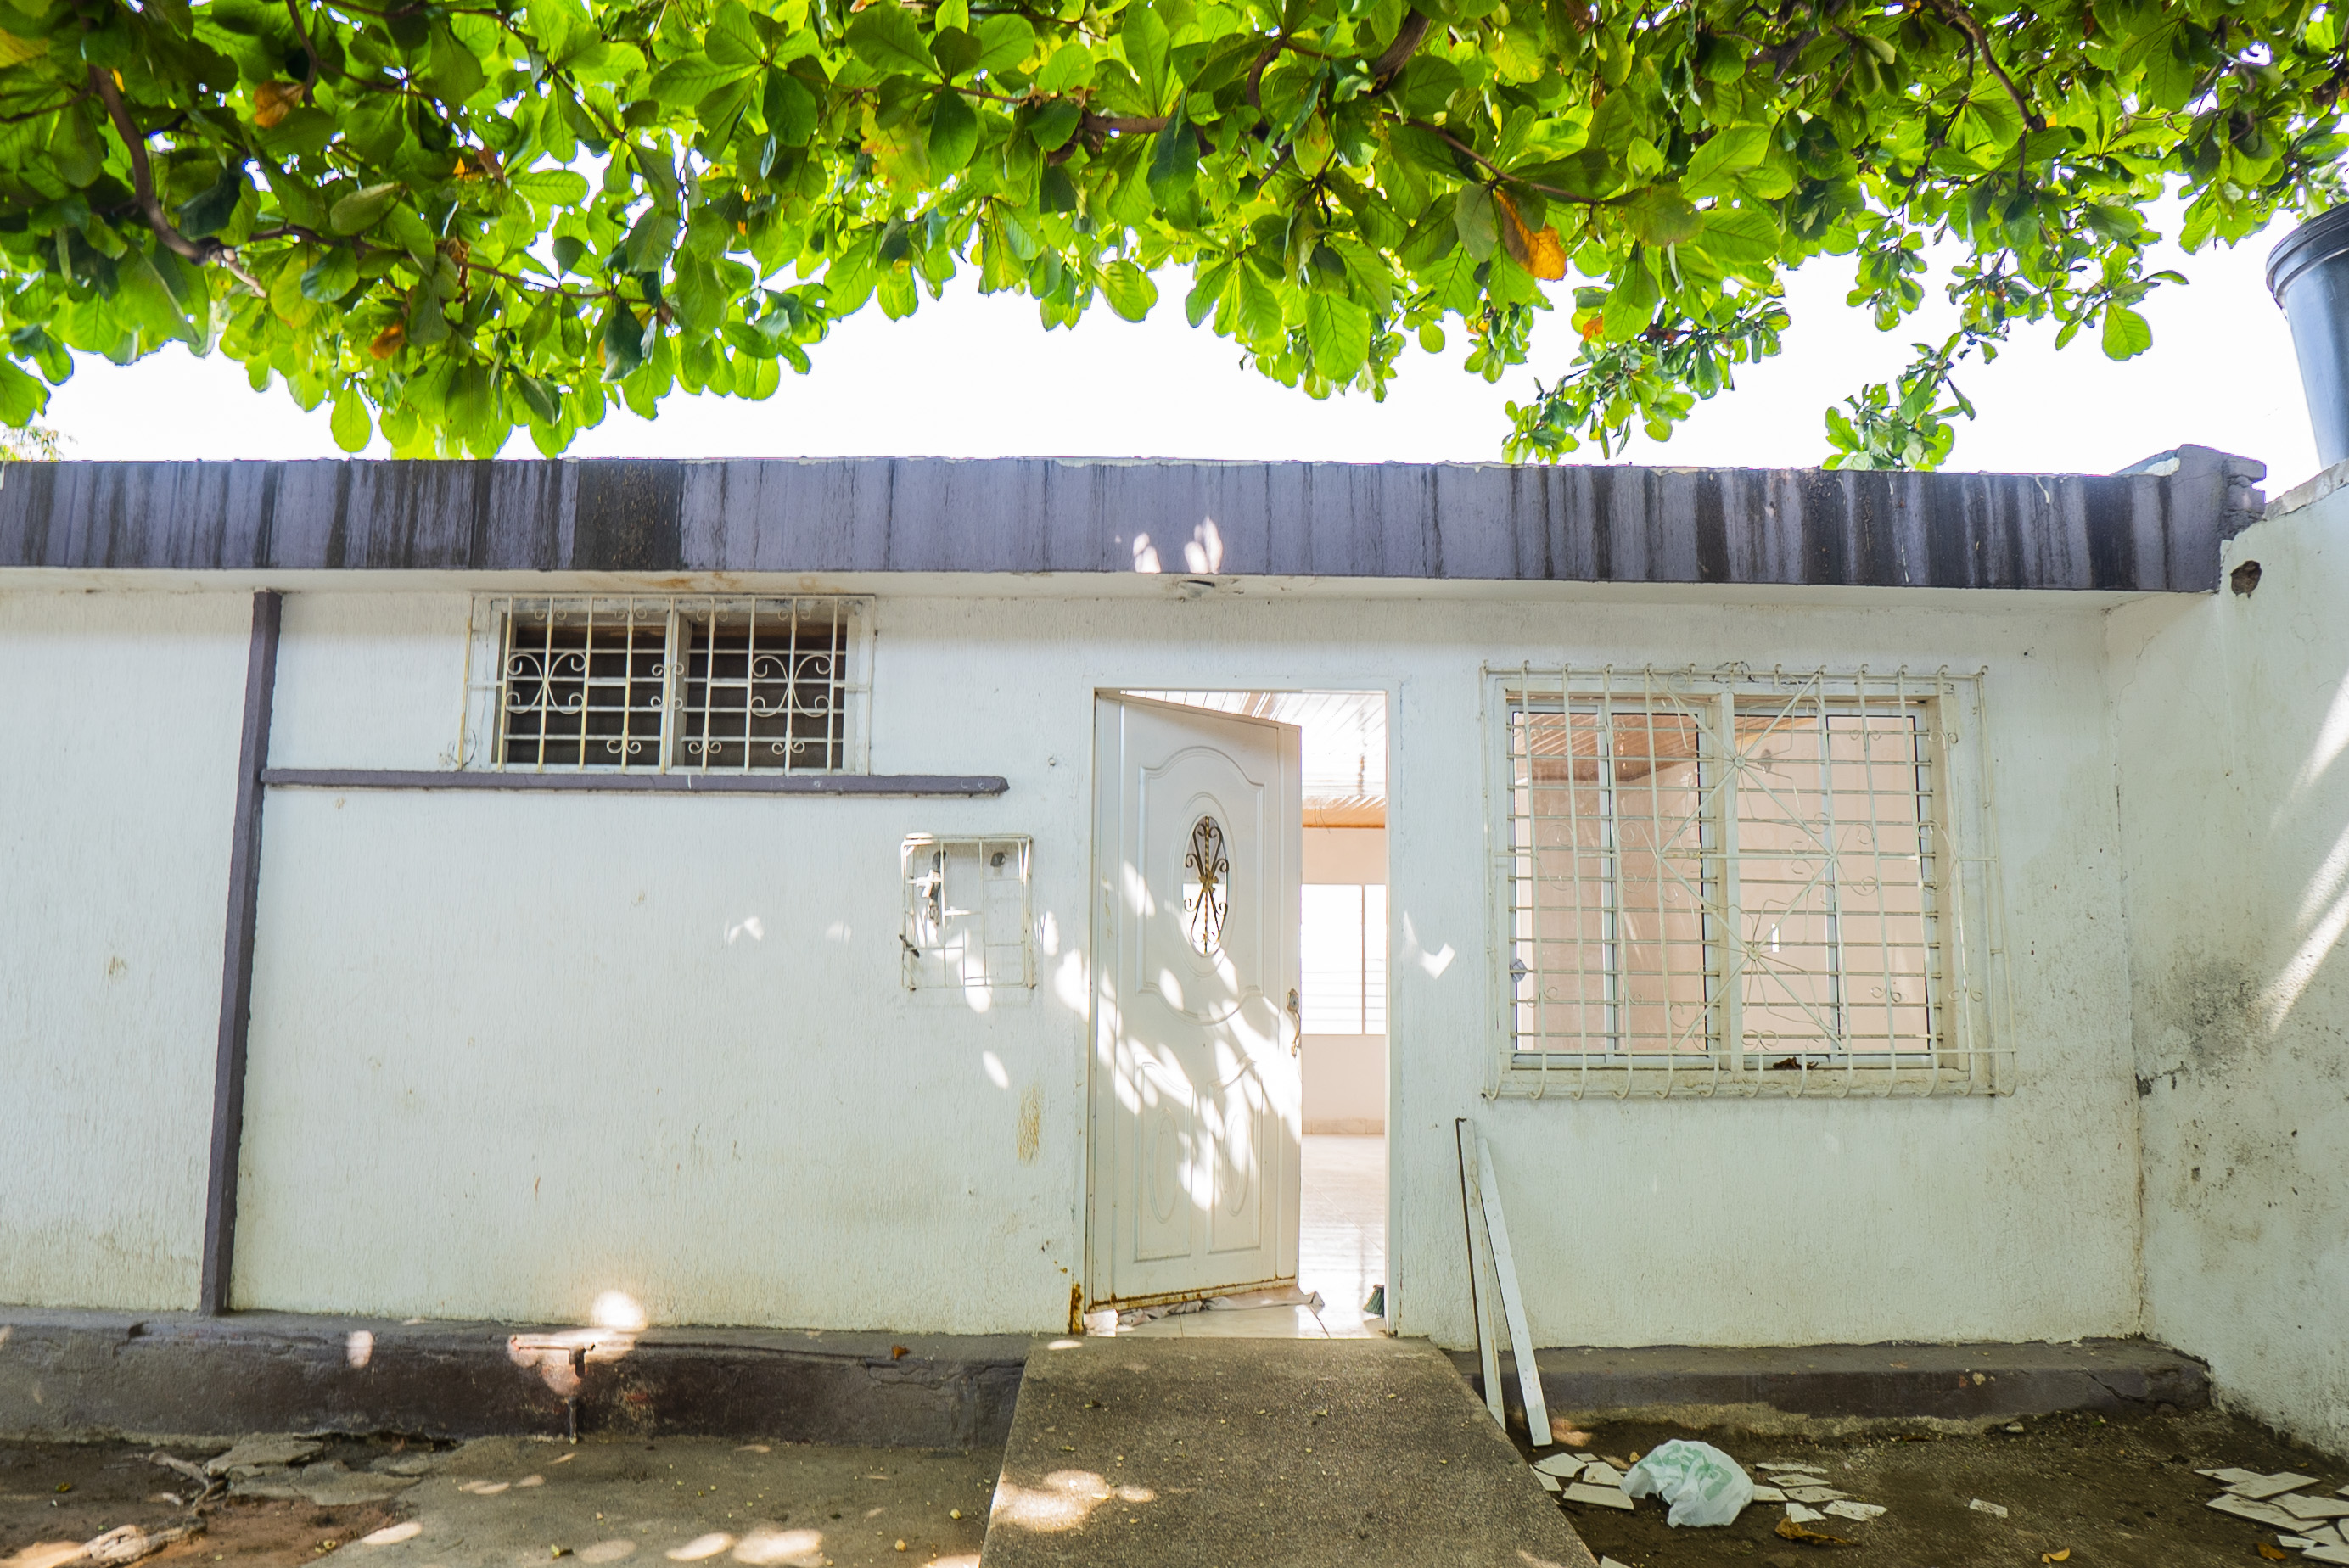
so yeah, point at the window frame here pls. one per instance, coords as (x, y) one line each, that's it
(1962, 914)
(676, 616)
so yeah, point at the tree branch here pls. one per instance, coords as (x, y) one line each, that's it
(1500, 175)
(142, 179)
(309, 52)
(1964, 22)
(1397, 55)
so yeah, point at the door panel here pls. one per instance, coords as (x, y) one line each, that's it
(1197, 1104)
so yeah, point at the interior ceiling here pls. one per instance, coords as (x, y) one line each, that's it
(1345, 746)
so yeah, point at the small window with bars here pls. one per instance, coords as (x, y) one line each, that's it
(1746, 884)
(667, 683)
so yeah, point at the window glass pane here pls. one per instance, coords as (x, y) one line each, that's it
(1610, 883)
(1374, 959)
(583, 686)
(1834, 874)
(763, 688)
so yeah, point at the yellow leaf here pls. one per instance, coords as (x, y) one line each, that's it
(388, 341)
(2273, 1553)
(272, 101)
(1548, 255)
(2062, 1556)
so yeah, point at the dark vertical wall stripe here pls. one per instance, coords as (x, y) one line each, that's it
(236, 959)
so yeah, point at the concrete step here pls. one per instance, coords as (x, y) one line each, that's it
(1205, 1453)
(1865, 1382)
(68, 1374)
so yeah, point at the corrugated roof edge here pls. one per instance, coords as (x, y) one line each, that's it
(2156, 527)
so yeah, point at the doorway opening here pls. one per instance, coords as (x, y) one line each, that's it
(1340, 1020)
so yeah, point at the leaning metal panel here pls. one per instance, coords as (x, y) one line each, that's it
(1744, 882)
(666, 683)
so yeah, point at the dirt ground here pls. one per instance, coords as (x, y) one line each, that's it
(55, 1496)
(2111, 1490)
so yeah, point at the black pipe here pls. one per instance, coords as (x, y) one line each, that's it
(2308, 272)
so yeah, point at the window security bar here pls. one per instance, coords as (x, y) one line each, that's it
(665, 682)
(1745, 882)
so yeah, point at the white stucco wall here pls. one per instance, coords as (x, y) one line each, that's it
(123, 714)
(2232, 714)
(512, 1052)
(506, 1058)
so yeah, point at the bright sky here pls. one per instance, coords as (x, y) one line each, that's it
(968, 376)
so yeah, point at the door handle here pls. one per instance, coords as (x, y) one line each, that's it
(1297, 1024)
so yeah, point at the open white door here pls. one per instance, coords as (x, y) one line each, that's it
(1197, 1104)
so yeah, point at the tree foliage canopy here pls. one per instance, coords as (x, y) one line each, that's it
(450, 218)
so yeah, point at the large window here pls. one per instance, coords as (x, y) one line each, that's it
(1724, 881)
(658, 683)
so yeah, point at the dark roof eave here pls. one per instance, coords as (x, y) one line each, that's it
(2144, 532)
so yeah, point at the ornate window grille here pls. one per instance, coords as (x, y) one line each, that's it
(1732, 881)
(663, 683)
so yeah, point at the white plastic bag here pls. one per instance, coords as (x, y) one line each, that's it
(1703, 1484)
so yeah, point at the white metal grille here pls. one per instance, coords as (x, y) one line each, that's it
(661, 682)
(1745, 883)
(968, 913)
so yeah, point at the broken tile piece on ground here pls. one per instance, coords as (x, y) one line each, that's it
(1767, 1493)
(2266, 1513)
(1600, 1473)
(2301, 1507)
(2326, 1554)
(2232, 1475)
(1602, 1496)
(1843, 1508)
(2271, 1485)
(2324, 1535)
(1801, 1515)
(257, 1453)
(1979, 1506)
(1814, 1493)
(1559, 1465)
(1550, 1482)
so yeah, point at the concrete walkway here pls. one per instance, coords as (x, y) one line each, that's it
(1203, 1453)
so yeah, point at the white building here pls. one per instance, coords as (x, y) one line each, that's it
(856, 895)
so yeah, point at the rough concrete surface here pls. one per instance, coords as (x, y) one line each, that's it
(1186, 1453)
(511, 1500)
(518, 1499)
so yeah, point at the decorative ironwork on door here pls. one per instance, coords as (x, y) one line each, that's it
(1206, 890)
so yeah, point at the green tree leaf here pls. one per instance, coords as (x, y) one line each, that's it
(1144, 39)
(884, 37)
(2126, 333)
(362, 210)
(1128, 289)
(1340, 332)
(953, 134)
(331, 276)
(351, 426)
